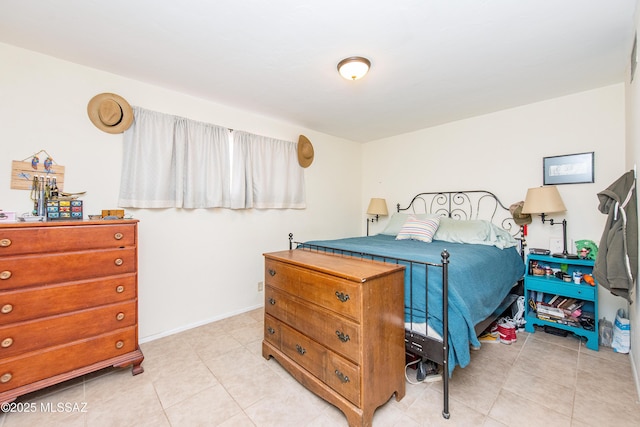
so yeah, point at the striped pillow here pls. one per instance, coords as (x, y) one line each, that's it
(419, 229)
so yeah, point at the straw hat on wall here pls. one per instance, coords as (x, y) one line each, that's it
(305, 151)
(110, 112)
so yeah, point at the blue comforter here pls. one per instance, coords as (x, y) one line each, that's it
(480, 277)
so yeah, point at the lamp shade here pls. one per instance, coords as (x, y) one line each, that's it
(377, 207)
(354, 68)
(545, 199)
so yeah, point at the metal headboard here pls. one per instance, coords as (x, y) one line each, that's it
(464, 205)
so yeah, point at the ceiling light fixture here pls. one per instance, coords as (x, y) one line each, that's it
(354, 68)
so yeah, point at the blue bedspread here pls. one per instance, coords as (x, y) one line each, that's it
(480, 276)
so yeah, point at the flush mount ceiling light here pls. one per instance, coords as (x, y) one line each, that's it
(354, 68)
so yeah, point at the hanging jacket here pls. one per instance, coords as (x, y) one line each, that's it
(617, 261)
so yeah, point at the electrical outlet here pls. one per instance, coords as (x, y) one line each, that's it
(260, 286)
(555, 245)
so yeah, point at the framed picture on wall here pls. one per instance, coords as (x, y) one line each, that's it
(568, 169)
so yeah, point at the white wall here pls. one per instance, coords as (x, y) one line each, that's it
(502, 152)
(632, 147)
(195, 265)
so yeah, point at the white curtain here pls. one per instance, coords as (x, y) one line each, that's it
(149, 162)
(171, 161)
(207, 169)
(266, 173)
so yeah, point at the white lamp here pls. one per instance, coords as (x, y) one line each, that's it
(545, 200)
(354, 68)
(376, 207)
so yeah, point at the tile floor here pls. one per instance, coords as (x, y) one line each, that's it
(215, 375)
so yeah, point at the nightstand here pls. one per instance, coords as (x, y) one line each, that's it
(565, 305)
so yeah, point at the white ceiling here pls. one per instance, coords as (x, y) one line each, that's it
(433, 61)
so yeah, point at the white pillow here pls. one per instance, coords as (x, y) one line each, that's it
(419, 229)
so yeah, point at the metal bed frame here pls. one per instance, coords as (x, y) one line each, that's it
(464, 205)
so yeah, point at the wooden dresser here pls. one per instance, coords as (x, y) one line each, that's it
(336, 324)
(68, 302)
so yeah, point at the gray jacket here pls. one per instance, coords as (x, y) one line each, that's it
(617, 261)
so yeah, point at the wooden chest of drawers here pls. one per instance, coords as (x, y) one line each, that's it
(68, 302)
(336, 324)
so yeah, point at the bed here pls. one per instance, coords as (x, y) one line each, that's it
(463, 255)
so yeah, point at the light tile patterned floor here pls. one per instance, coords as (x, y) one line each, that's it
(215, 375)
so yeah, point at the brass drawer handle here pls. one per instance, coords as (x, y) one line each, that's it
(272, 301)
(7, 308)
(342, 297)
(118, 261)
(342, 337)
(271, 330)
(5, 243)
(6, 377)
(120, 316)
(119, 289)
(300, 349)
(5, 275)
(119, 344)
(342, 377)
(7, 342)
(118, 236)
(272, 272)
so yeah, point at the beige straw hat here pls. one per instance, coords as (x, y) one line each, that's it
(110, 112)
(305, 151)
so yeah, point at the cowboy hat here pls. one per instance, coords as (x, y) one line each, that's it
(518, 217)
(110, 112)
(305, 151)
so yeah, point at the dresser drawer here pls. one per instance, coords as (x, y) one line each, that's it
(304, 351)
(32, 303)
(28, 336)
(335, 332)
(333, 293)
(29, 270)
(344, 377)
(18, 241)
(38, 365)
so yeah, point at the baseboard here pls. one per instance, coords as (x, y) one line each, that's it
(196, 324)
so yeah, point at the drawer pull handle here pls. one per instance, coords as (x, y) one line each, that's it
(300, 349)
(119, 289)
(342, 297)
(342, 337)
(118, 261)
(5, 378)
(272, 272)
(5, 243)
(7, 342)
(271, 330)
(118, 236)
(272, 301)
(119, 344)
(5, 275)
(120, 316)
(342, 377)
(7, 308)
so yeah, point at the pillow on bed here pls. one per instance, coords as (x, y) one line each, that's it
(462, 231)
(418, 229)
(399, 218)
(479, 232)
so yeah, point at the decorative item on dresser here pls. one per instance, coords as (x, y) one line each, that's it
(336, 324)
(68, 302)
